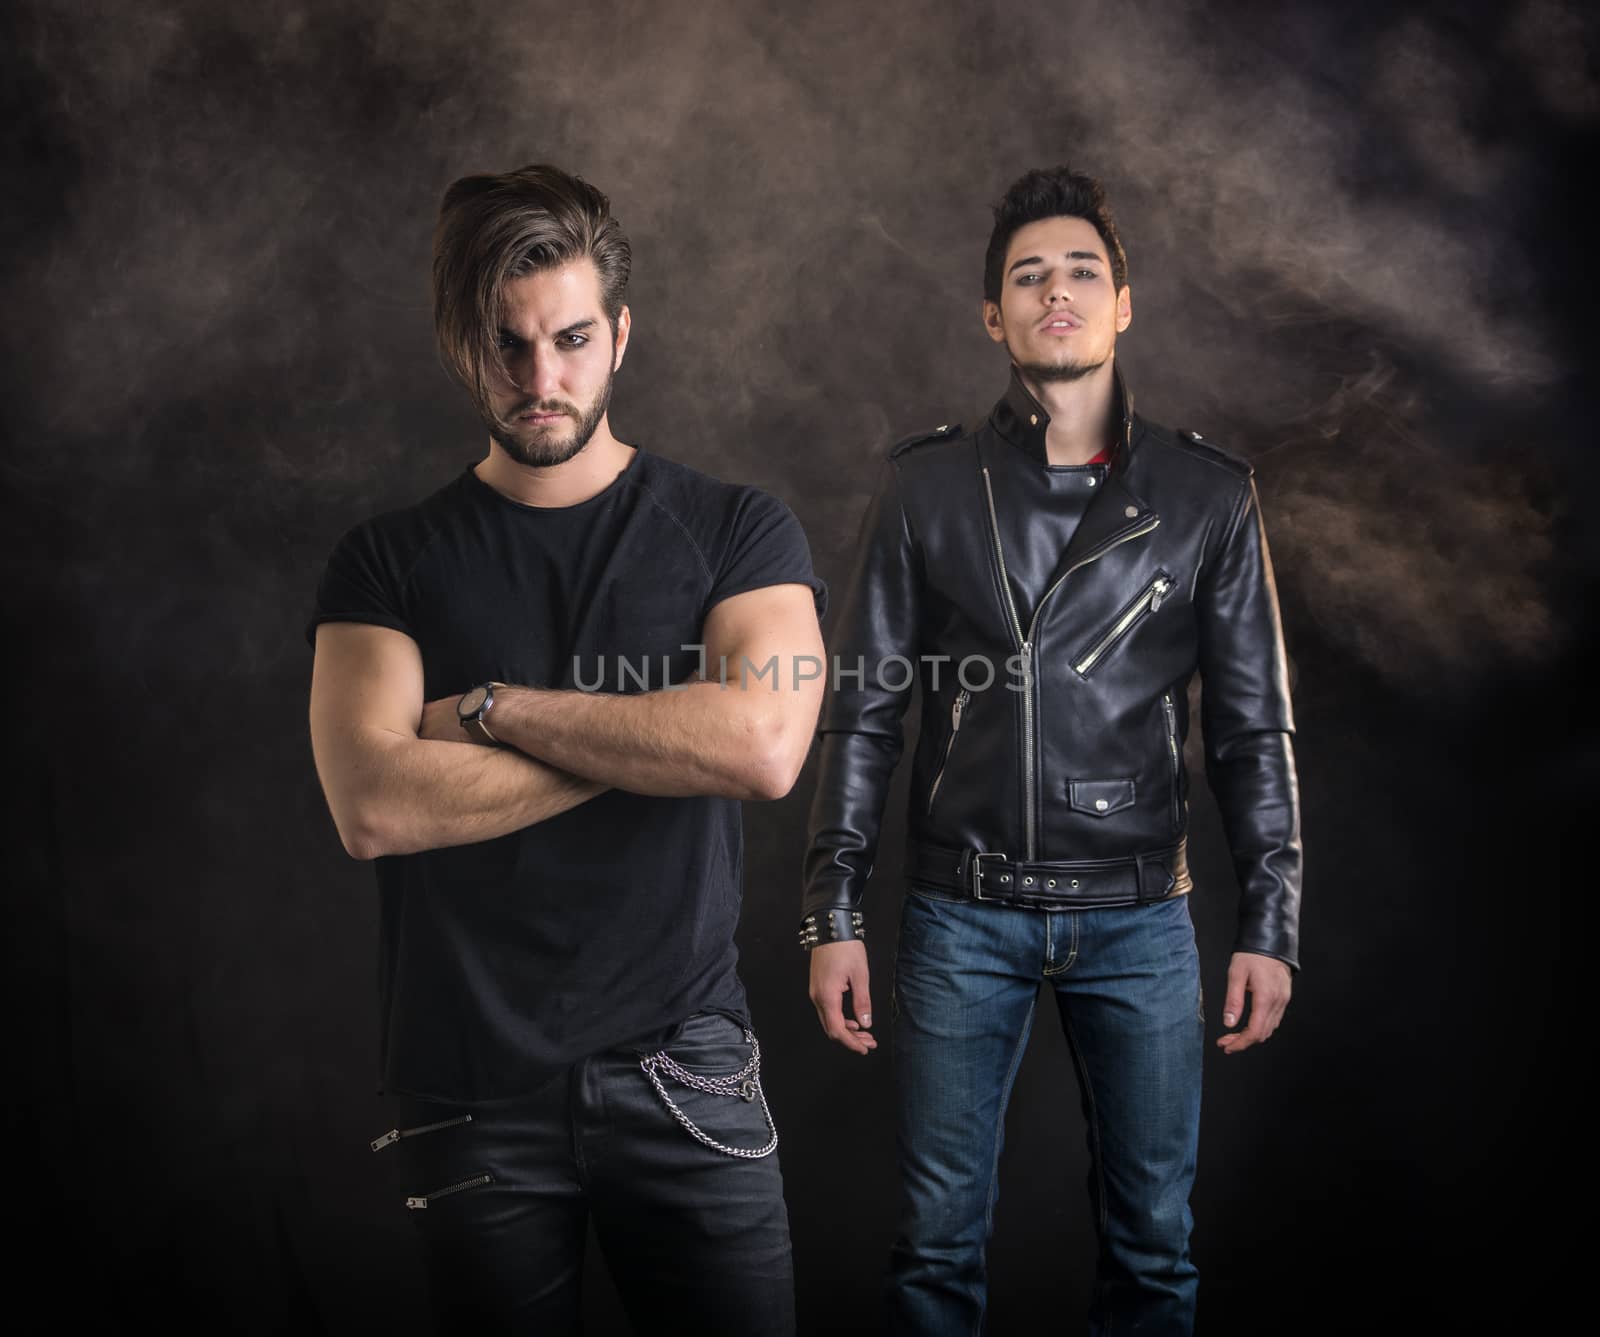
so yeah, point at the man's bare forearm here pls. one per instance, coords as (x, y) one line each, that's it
(412, 794)
(735, 740)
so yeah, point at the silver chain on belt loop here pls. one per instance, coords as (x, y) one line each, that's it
(746, 1084)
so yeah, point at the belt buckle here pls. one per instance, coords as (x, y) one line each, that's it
(975, 864)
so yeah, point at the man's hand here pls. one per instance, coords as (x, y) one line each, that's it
(441, 723)
(1266, 980)
(835, 968)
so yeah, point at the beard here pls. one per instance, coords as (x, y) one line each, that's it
(1058, 372)
(539, 447)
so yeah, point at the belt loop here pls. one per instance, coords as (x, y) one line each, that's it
(964, 870)
(1168, 879)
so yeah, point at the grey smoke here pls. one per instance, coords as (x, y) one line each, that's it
(808, 192)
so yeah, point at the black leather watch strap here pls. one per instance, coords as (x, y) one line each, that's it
(473, 724)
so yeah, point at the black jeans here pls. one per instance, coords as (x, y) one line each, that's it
(697, 1240)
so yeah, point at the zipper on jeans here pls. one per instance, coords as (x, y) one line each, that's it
(422, 1200)
(395, 1134)
(1148, 600)
(1025, 644)
(956, 707)
(1177, 760)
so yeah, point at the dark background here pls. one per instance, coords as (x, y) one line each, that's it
(1355, 260)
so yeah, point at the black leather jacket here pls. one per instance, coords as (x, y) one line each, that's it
(1063, 782)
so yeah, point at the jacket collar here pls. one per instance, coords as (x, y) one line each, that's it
(1022, 421)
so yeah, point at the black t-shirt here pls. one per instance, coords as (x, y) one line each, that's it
(503, 961)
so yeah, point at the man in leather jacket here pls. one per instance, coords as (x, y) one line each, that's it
(1054, 578)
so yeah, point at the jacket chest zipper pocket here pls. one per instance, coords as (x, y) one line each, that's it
(395, 1134)
(1146, 602)
(422, 1200)
(956, 708)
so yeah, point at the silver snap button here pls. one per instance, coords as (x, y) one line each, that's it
(1131, 511)
(1091, 480)
(1101, 805)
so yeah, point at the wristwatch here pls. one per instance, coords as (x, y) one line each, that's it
(471, 709)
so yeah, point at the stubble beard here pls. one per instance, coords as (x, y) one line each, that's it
(1059, 372)
(543, 452)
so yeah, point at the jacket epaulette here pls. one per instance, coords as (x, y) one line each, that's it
(939, 433)
(1215, 453)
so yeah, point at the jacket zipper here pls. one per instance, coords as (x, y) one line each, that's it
(956, 707)
(1148, 601)
(395, 1134)
(1025, 645)
(1025, 648)
(1172, 747)
(424, 1199)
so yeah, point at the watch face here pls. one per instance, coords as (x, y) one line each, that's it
(472, 702)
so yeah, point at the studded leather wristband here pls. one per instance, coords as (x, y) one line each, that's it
(838, 924)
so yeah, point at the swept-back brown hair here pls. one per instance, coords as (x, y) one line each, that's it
(495, 228)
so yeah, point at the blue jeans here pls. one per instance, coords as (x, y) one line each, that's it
(697, 1240)
(1127, 986)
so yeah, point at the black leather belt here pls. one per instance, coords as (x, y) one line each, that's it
(1075, 884)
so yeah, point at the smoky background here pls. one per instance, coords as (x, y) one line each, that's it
(1356, 260)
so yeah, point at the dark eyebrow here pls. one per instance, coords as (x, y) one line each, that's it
(577, 327)
(1071, 255)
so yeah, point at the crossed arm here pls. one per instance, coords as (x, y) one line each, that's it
(401, 776)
